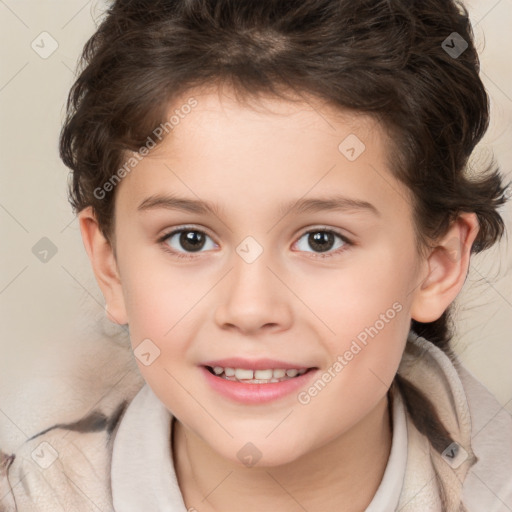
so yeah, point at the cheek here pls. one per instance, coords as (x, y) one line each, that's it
(160, 298)
(372, 293)
(366, 309)
(164, 307)
(370, 325)
(161, 307)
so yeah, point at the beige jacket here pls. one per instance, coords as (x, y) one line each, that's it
(67, 466)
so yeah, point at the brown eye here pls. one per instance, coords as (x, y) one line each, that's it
(322, 241)
(192, 240)
(187, 240)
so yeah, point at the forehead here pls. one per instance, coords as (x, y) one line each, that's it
(264, 151)
(220, 111)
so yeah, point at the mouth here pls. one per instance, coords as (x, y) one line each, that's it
(256, 381)
(253, 376)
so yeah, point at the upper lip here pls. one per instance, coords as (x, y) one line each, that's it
(256, 364)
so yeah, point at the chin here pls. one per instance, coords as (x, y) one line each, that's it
(261, 452)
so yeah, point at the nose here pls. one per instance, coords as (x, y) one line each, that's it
(253, 298)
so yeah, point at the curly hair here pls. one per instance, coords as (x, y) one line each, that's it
(389, 59)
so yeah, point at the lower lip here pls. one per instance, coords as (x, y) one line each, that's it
(256, 393)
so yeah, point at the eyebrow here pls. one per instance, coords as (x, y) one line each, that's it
(312, 205)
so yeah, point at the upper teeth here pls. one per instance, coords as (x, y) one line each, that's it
(244, 374)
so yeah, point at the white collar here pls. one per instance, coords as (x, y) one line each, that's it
(142, 471)
(143, 475)
(388, 493)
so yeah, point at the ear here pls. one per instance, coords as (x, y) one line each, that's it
(447, 268)
(104, 265)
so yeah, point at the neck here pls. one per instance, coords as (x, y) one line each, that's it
(347, 470)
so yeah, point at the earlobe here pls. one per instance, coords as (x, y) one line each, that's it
(104, 265)
(447, 268)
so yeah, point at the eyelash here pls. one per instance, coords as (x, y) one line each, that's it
(189, 256)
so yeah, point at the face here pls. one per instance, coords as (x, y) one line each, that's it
(307, 261)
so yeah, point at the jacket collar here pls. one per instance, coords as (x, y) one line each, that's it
(435, 477)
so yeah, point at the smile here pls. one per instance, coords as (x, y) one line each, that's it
(256, 386)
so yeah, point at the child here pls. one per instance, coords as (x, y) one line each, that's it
(296, 349)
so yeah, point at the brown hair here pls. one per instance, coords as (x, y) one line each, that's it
(385, 58)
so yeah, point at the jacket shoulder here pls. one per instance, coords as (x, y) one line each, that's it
(489, 483)
(65, 467)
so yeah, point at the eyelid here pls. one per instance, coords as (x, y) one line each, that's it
(320, 227)
(184, 227)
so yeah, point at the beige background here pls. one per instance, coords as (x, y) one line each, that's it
(51, 313)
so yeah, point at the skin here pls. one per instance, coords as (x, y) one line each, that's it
(288, 304)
